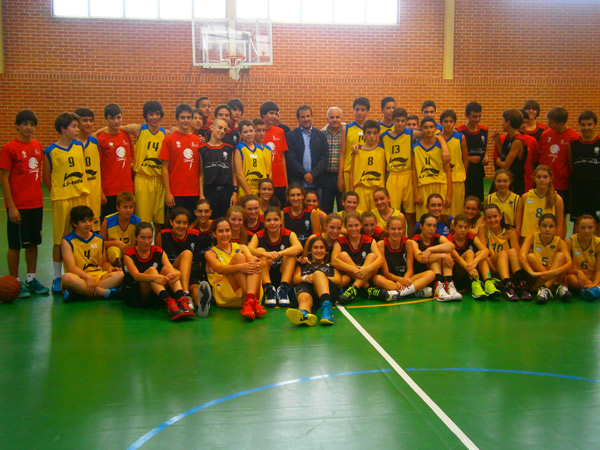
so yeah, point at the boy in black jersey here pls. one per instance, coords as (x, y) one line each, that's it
(584, 161)
(476, 136)
(220, 183)
(512, 154)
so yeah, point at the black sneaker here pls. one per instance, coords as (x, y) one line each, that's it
(509, 292)
(204, 297)
(524, 294)
(270, 296)
(348, 296)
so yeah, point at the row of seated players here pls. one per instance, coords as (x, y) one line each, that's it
(237, 274)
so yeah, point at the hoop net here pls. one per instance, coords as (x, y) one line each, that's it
(234, 61)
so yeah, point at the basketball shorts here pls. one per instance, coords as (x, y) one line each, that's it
(149, 199)
(113, 254)
(109, 207)
(309, 288)
(400, 187)
(28, 231)
(365, 197)
(426, 190)
(133, 296)
(61, 216)
(458, 198)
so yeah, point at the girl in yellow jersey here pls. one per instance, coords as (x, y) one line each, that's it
(472, 209)
(383, 210)
(585, 252)
(459, 159)
(234, 273)
(249, 161)
(87, 271)
(539, 201)
(503, 197)
(368, 167)
(545, 256)
(503, 245)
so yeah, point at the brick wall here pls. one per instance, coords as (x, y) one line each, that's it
(506, 52)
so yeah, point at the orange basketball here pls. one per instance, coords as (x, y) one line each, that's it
(10, 288)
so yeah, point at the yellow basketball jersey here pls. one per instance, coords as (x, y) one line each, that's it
(398, 151)
(354, 135)
(224, 294)
(508, 207)
(116, 233)
(380, 220)
(383, 127)
(534, 208)
(584, 258)
(428, 164)
(545, 253)
(456, 162)
(268, 157)
(92, 171)
(497, 242)
(146, 151)
(369, 167)
(67, 167)
(253, 166)
(87, 253)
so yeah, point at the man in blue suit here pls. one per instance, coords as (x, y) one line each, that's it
(306, 158)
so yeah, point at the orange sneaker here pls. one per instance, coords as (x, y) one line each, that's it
(247, 310)
(259, 311)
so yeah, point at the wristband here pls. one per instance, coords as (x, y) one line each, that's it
(304, 278)
(235, 189)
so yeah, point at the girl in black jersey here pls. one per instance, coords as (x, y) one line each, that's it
(359, 257)
(266, 192)
(468, 252)
(200, 289)
(254, 220)
(147, 272)
(236, 216)
(434, 252)
(279, 247)
(311, 198)
(315, 283)
(180, 244)
(298, 217)
(369, 225)
(397, 271)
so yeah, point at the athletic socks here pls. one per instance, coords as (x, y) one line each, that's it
(57, 269)
(163, 295)
(325, 298)
(177, 295)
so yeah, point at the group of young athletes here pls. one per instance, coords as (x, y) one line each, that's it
(181, 216)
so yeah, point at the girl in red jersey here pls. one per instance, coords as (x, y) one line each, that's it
(358, 256)
(369, 225)
(148, 273)
(236, 216)
(253, 220)
(279, 247)
(397, 271)
(433, 251)
(467, 254)
(234, 273)
(299, 217)
(266, 192)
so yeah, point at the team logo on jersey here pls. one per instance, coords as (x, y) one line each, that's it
(192, 246)
(34, 166)
(364, 254)
(282, 247)
(554, 149)
(402, 161)
(155, 265)
(596, 151)
(111, 144)
(271, 145)
(370, 175)
(224, 156)
(72, 179)
(153, 163)
(306, 224)
(577, 253)
(188, 154)
(256, 175)
(121, 153)
(553, 247)
(529, 201)
(91, 174)
(538, 249)
(177, 144)
(510, 203)
(24, 153)
(427, 172)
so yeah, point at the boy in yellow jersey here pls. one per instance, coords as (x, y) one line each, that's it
(431, 175)
(388, 105)
(64, 176)
(92, 162)
(354, 135)
(428, 109)
(412, 121)
(249, 161)
(148, 184)
(459, 159)
(118, 229)
(87, 272)
(368, 167)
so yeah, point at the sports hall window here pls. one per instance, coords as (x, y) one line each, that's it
(368, 12)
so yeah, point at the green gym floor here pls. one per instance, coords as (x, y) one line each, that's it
(420, 375)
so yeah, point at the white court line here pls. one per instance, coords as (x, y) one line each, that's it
(415, 387)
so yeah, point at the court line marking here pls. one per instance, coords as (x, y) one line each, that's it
(150, 434)
(415, 387)
(519, 372)
(390, 304)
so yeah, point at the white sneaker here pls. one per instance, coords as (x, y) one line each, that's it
(392, 296)
(426, 292)
(440, 293)
(563, 292)
(452, 292)
(409, 290)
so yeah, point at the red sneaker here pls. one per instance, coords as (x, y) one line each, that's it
(175, 313)
(247, 310)
(259, 311)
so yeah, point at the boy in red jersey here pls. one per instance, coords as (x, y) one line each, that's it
(554, 151)
(21, 177)
(275, 140)
(116, 152)
(181, 164)
(476, 136)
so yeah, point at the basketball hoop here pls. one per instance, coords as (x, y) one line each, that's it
(234, 62)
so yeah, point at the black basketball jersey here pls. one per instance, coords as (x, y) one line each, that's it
(329, 249)
(396, 258)
(217, 165)
(232, 137)
(518, 166)
(359, 254)
(537, 133)
(173, 247)
(586, 160)
(301, 225)
(468, 245)
(154, 260)
(435, 240)
(326, 268)
(260, 225)
(274, 246)
(205, 242)
(476, 142)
